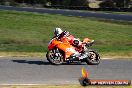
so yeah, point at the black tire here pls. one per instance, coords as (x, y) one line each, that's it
(84, 81)
(93, 60)
(52, 59)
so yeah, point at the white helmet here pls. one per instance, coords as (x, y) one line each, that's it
(57, 31)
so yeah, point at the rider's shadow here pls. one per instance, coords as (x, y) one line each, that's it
(31, 62)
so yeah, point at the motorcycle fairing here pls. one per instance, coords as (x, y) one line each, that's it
(65, 47)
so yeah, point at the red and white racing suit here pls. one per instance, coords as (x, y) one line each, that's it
(71, 40)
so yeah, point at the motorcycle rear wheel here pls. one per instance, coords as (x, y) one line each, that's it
(53, 59)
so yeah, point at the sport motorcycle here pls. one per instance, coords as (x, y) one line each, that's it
(59, 53)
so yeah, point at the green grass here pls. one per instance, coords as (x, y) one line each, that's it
(30, 32)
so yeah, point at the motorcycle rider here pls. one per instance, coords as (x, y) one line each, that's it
(71, 40)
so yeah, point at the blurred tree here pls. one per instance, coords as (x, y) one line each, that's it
(66, 2)
(56, 2)
(105, 3)
(119, 3)
(108, 3)
(122, 3)
(79, 2)
(32, 1)
(70, 2)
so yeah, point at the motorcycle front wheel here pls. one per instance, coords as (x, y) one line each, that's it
(93, 58)
(54, 57)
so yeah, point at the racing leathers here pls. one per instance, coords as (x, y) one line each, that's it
(66, 37)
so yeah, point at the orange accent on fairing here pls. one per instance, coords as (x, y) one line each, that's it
(67, 48)
(54, 43)
(64, 46)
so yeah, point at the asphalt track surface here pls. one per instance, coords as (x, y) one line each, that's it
(122, 17)
(22, 70)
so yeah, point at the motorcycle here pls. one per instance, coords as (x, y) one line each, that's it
(59, 52)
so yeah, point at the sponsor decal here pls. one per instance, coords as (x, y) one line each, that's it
(85, 81)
